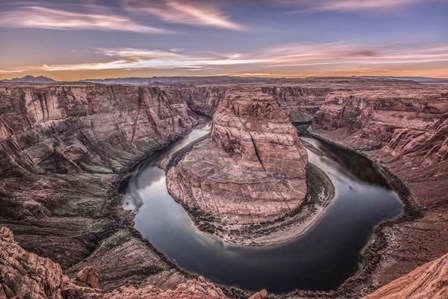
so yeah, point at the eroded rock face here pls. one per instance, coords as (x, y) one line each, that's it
(370, 118)
(251, 169)
(27, 275)
(403, 127)
(427, 281)
(62, 148)
(191, 289)
(300, 103)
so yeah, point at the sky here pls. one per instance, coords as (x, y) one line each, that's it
(92, 39)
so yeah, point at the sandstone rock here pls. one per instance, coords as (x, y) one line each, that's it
(263, 294)
(88, 277)
(299, 102)
(427, 281)
(404, 128)
(27, 275)
(192, 289)
(252, 169)
(62, 148)
(63, 145)
(369, 118)
(24, 274)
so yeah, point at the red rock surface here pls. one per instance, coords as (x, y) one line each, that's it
(251, 169)
(192, 289)
(62, 148)
(427, 281)
(27, 275)
(404, 129)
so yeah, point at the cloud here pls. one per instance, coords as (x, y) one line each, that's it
(129, 58)
(11, 71)
(183, 12)
(342, 52)
(48, 18)
(348, 5)
(288, 57)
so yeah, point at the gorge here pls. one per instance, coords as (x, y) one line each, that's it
(70, 157)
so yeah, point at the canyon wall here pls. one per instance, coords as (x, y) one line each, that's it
(300, 103)
(404, 128)
(63, 148)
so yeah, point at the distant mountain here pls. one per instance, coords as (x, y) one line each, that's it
(182, 81)
(416, 79)
(31, 79)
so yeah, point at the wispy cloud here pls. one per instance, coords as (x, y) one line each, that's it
(300, 54)
(348, 5)
(184, 12)
(129, 58)
(289, 57)
(11, 71)
(56, 19)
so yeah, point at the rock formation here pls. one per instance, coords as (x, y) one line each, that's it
(62, 148)
(427, 281)
(27, 275)
(251, 169)
(300, 103)
(369, 118)
(403, 127)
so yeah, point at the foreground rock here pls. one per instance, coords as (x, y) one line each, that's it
(427, 281)
(27, 275)
(250, 170)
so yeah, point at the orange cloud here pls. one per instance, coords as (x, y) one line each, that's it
(297, 59)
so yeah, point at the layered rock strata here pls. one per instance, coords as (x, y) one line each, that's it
(405, 129)
(427, 281)
(251, 169)
(62, 149)
(27, 275)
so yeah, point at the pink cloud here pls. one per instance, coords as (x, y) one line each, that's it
(48, 18)
(183, 12)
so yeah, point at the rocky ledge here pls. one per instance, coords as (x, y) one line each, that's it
(427, 281)
(27, 275)
(251, 170)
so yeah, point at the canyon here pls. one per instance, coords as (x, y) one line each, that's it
(67, 148)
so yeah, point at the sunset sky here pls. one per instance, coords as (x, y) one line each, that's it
(71, 40)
